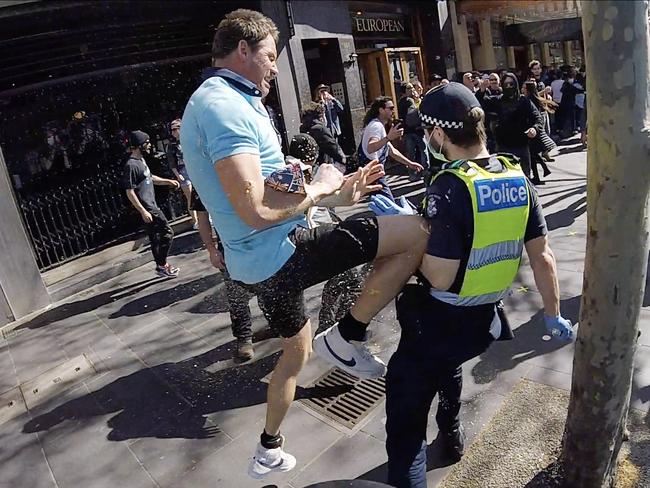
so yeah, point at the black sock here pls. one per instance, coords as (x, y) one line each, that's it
(351, 329)
(270, 441)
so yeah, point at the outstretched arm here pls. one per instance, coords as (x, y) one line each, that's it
(261, 206)
(542, 261)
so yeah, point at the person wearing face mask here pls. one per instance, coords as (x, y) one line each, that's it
(482, 213)
(517, 120)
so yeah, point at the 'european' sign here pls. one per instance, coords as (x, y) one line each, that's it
(381, 25)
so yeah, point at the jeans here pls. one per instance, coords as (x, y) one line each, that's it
(415, 149)
(160, 236)
(436, 339)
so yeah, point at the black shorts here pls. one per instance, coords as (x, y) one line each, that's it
(321, 253)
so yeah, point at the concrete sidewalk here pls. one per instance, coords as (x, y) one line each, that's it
(130, 383)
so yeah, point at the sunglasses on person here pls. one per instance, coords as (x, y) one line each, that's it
(390, 107)
(508, 84)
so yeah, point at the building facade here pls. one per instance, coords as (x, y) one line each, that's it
(499, 34)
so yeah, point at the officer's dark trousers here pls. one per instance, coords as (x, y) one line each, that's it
(160, 236)
(436, 339)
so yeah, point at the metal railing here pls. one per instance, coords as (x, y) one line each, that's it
(69, 221)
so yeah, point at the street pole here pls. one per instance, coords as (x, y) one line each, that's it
(616, 45)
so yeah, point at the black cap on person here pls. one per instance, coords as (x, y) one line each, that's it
(137, 138)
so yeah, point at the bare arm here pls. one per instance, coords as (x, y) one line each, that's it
(205, 232)
(542, 261)
(375, 144)
(157, 180)
(258, 205)
(440, 272)
(135, 201)
(398, 156)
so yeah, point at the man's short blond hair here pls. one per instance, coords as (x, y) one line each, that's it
(242, 25)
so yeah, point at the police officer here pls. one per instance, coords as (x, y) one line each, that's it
(482, 212)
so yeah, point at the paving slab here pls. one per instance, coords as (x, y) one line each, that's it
(165, 459)
(8, 378)
(33, 354)
(227, 466)
(19, 451)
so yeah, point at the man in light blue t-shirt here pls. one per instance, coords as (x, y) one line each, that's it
(258, 202)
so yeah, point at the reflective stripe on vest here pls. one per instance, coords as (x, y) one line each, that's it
(454, 299)
(500, 205)
(494, 253)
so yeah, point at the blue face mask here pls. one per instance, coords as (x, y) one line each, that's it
(436, 154)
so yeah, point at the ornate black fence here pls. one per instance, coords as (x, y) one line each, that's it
(68, 221)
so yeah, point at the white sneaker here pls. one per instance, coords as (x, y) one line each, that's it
(267, 460)
(352, 357)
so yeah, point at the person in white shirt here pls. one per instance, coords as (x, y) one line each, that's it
(376, 143)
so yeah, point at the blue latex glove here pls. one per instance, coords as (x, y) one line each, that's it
(559, 327)
(382, 205)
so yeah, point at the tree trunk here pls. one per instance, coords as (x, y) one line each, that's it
(616, 44)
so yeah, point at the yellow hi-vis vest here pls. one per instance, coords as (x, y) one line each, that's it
(500, 203)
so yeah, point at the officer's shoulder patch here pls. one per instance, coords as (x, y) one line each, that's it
(432, 205)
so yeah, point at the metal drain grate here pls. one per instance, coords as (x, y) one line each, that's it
(348, 409)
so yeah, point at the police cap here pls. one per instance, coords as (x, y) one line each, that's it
(446, 106)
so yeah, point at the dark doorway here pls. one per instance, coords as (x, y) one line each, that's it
(324, 65)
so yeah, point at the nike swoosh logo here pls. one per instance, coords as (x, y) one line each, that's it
(350, 363)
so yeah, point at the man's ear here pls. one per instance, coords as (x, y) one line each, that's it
(243, 49)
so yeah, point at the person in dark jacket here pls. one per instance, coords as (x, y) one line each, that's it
(332, 108)
(542, 144)
(518, 120)
(314, 124)
(407, 112)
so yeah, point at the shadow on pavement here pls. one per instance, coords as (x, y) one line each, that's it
(79, 307)
(566, 193)
(572, 149)
(527, 344)
(164, 298)
(567, 216)
(171, 400)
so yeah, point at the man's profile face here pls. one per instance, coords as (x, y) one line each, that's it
(260, 64)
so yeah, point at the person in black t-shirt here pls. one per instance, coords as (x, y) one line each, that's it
(444, 323)
(138, 182)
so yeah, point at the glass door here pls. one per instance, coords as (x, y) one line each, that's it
(383, 70)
